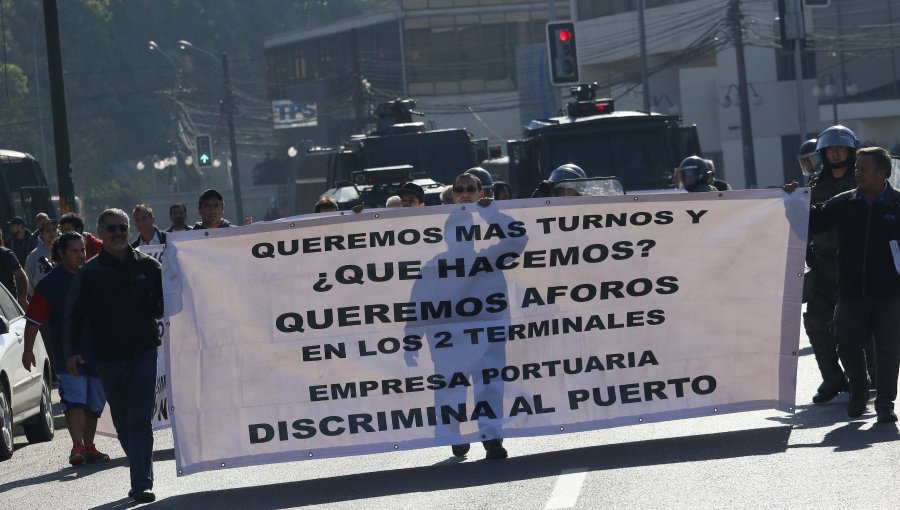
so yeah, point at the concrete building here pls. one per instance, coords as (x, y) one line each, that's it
(480, 64)
(461, 59)
(692, 61)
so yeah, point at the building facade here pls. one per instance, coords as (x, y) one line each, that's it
(847, 78)
(481, 64)
(460, 59)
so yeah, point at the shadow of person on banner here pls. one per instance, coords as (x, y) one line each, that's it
(468, 293)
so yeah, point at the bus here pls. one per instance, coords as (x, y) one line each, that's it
(23, 188)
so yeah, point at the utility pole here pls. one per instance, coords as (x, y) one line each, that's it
(645, 75)
(357, 83)
(228, 105)
(791, 30)
(58, 105)
(801, 107)
(734, 18)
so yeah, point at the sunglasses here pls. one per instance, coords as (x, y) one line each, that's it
(121, 227)
(468, 189)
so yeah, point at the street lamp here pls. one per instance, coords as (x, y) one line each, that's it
(155, 47)
(228, 107)
(830, 90)
(658, 102)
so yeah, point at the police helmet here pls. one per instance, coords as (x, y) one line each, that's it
(694, 171)
(837, 136)
(808, 157)
(567, 171)
(483, 175)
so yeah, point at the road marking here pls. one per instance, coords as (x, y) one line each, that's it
(567, 489)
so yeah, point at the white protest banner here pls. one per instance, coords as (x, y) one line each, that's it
(160, 418)
(410, 328)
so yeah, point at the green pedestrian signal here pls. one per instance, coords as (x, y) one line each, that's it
(204, 150)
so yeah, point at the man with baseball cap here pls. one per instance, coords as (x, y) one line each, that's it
(20, 239)
(211, 207)
(411, 195)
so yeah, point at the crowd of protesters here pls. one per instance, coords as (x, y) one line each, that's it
(95, 302)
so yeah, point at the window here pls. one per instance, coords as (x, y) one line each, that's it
(8, 306)
(588, 9)
(789, 146)
(785, 65)
(299, 67)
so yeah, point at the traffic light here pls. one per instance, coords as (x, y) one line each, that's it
(204, 150)
(562, 52)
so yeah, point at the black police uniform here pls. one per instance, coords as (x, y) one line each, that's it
(821, 291)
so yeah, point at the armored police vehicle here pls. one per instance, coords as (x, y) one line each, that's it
(641, 149)
(371, 166)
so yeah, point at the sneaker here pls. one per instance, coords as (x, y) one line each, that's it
(493, 449)
(76, 458)
(142, 495)
(94, 456)
(460, 450)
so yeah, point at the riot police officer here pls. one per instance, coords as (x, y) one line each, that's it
(561, 173)
(487, 183)
(835, 148)
(809, 159)
(719, 184)
(695, 174)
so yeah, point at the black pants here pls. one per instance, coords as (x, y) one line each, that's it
(855, 321)
(130, 387)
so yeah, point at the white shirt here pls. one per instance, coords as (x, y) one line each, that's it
(35, 268)
(154, 240)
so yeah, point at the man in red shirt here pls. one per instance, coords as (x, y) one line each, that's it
(82, 397)
(71, 222)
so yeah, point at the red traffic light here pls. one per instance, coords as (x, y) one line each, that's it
(565, 35)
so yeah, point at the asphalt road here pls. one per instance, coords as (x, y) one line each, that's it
(816, 457)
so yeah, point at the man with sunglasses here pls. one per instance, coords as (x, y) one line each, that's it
(467, 189)
(119, 294)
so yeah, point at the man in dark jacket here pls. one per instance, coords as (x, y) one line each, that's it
(20, 240)
(866, 220)
(119, 294)
(12, 276)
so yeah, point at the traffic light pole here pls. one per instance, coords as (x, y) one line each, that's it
(228, 105)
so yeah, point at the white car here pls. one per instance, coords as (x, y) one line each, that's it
(24, 396)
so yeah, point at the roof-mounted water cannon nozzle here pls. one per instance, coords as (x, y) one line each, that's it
(398, 111)
(586, 103)
(584, 91)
